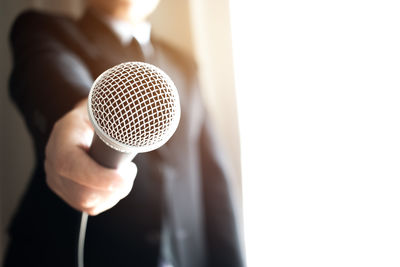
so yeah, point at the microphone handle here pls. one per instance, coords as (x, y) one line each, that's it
(106, 155)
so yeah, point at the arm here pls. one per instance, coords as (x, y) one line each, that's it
(47, 82)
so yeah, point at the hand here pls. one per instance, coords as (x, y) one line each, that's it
(74, 176)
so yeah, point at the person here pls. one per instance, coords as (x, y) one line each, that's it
(175, 209)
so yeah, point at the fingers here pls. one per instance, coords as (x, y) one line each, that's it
(78, 166)
(66, 153)
(83, 198)
(74, 176)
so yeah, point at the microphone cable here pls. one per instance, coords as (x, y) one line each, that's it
(81, 240)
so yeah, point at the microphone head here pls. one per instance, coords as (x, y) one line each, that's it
(134, 107)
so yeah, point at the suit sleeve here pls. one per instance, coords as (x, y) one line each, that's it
(220, 215)
(47, 78)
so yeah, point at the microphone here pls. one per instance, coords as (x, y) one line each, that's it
(134, 107)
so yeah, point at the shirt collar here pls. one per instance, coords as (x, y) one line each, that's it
(125, 31)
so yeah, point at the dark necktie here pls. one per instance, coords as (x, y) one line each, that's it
(134, 51)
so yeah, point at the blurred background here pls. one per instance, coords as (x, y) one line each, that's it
(315, 88)
(181, 23)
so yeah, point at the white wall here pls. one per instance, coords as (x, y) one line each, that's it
(318, 86)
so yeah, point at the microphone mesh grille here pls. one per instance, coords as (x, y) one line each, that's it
(135, 104)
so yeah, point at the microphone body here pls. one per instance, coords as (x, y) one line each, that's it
(106, 155)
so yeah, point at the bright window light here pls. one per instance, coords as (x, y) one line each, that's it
(318, 89)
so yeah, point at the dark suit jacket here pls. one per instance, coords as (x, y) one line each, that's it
(182, 184)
